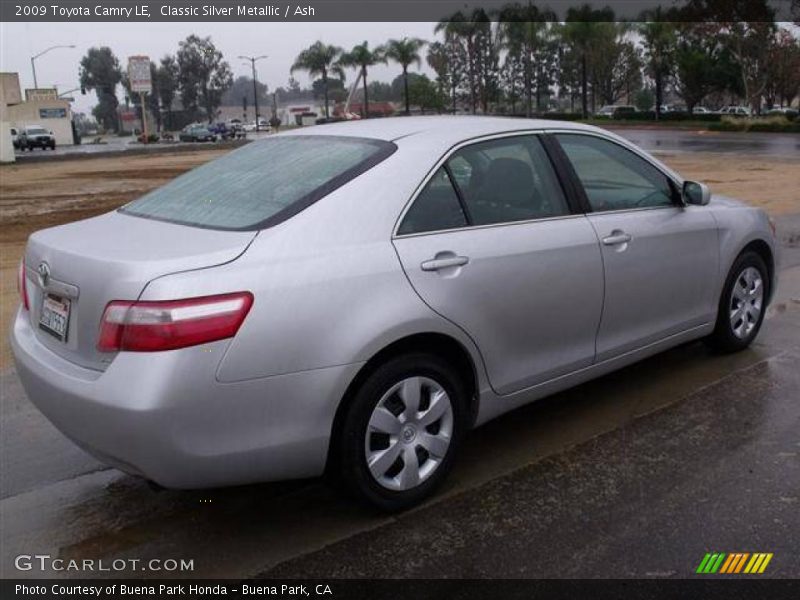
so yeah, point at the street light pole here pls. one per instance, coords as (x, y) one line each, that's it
(33, 61)
(253, 60)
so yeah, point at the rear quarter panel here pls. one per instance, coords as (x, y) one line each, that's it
(329, 288)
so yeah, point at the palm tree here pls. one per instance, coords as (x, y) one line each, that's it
(362, 57)
(319, 60)
(405, 52)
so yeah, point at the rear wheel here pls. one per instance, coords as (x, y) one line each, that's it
(402, 430)
(742, 305)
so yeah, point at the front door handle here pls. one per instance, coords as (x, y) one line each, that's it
(616, 238)
(443, 263)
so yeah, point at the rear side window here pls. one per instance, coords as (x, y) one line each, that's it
(261, 184)
(497, 181)
(436, 208)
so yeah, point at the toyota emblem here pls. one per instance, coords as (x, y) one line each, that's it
(44, 273)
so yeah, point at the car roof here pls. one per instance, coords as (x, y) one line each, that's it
(448, 128)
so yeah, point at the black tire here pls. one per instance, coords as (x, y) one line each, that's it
(723, 339)
(352, 457)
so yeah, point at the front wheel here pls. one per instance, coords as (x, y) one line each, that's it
(402, 430)
(742, 305)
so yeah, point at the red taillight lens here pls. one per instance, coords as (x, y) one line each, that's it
(167, 325)
(22, 286)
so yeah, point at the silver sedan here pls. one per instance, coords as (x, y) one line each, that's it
(353, 298)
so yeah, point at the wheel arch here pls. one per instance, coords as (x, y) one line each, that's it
(763, 249)
(441, 344)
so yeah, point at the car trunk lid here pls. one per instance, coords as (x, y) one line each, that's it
(87, 264)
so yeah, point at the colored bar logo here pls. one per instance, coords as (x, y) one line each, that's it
(734, 563)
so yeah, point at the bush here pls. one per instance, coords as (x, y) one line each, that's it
(774, 124)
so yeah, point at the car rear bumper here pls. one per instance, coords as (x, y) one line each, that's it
(164, 415)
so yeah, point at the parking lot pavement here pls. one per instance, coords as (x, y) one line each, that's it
(638, 473)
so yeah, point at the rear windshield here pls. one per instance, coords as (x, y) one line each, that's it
(261, 184)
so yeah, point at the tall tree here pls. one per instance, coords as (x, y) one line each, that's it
(203, 75)
(166, 81)
(100, 71)
(697, 70)
(446, 60)
(405, 52)
(659, 39)
(580, 32)
(243, 86)
(459, 31)
(319, 60)
(361, 57)
(783, 77)
(526, 39)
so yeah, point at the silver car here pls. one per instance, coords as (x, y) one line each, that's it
(352, 298)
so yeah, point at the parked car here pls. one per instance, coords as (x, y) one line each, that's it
(14, 137)
(280, 322)
(615, 111)
(223, 131)
(263, 125)
(197, 133)
(735, 111)
(701, 110)
(35, 136)
(789, 113)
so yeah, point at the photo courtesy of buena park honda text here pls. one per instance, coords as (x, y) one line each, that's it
(391, 299)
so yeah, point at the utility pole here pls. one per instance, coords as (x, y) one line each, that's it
(253, 60)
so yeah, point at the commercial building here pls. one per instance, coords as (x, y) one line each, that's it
(41, 107)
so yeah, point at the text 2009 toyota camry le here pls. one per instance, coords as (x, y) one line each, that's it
(355, 297)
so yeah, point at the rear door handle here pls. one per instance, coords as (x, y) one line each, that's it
(443, 263)
(617, 237)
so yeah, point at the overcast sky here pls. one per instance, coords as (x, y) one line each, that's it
(280, 41)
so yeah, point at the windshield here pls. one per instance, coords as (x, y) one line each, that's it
(36, 130)
(261, 184)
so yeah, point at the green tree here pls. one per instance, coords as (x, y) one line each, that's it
(696, 62)
(527, 40)
(361, 57)
(425, 94)
(580, 32)
(659, 40)
(446, 60)
(166, 81)
(404, 52)
(100, 72)
(243, 86)
(320, 60)
(203, 75)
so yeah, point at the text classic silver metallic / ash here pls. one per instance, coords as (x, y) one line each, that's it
(354, 297)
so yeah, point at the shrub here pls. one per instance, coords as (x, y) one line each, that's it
(773, 124)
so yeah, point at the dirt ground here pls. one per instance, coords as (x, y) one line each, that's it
(43, 194)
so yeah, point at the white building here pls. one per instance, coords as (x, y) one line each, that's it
(41, 107)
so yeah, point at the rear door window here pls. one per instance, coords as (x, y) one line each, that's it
(261, 184)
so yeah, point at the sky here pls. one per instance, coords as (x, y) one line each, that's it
(281, 42)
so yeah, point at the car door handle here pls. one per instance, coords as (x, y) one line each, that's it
(617, 237)
(443, 263)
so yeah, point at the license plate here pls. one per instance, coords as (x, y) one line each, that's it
(54, 317)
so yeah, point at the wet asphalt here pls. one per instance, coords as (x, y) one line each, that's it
(636, 474)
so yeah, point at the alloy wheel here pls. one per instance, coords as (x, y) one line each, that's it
(747, 301)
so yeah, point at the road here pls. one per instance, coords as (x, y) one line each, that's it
(724, 142)
(651, 139)
(636, 474)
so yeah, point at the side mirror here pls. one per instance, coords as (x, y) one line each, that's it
(696, 193)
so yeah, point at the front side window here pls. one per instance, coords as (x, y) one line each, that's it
(497, 181)
(261, 183)
(613, 177)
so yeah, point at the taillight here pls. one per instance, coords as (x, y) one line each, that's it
(171, 324)
(22, 286)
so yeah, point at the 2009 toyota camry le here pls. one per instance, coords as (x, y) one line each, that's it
(352, 298)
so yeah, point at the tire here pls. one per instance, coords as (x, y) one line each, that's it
(747, 288)
(432, 439)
